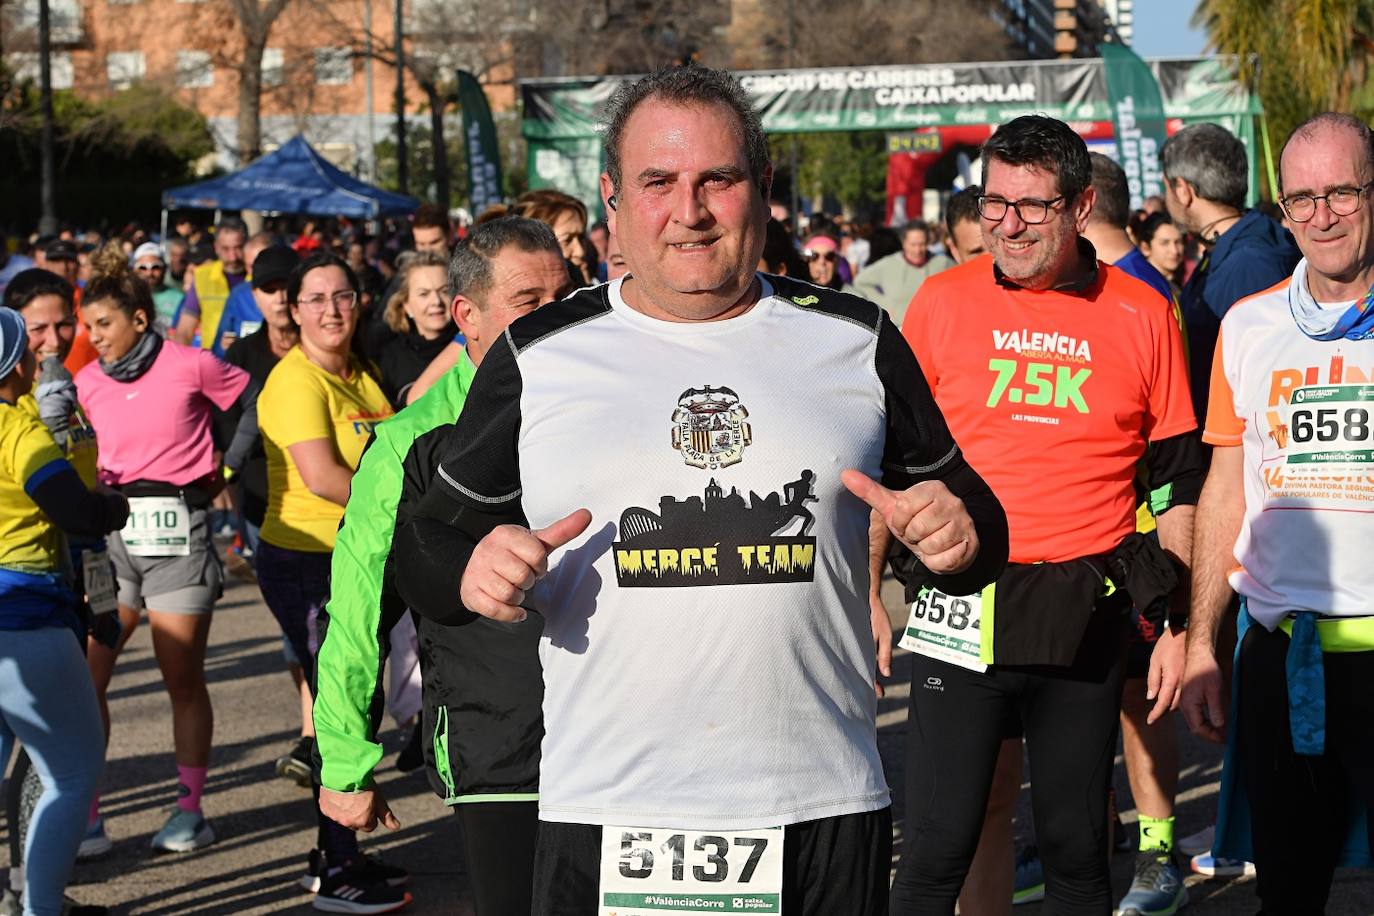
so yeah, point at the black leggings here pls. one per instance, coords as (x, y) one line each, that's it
(956, 727)
(498, 838)
(295, 588)
(835, 866)
(1301, 807)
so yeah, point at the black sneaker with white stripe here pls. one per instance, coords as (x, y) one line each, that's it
(365, 886)
(346, 892)
(366, 869)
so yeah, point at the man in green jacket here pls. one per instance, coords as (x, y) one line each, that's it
(892, 281)
(482, 684)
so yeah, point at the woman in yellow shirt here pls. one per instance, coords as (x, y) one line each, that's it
(47, 700)
(316, 413)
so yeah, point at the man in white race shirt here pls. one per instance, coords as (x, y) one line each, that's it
(708, 658)
(1289, 497)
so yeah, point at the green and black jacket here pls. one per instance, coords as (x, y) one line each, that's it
(483, 686)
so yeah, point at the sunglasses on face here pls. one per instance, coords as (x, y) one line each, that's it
(809, 255)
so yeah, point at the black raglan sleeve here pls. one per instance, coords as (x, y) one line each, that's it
(476, 487)
(1175, 469)
(920, 447)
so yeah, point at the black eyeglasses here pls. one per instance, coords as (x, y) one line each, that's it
(809, 255)
(1030, 210)
(1340, 201)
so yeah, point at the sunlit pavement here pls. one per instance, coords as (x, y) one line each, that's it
(266, 825)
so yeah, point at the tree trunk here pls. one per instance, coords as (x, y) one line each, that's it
(250, 97)
(438, 145)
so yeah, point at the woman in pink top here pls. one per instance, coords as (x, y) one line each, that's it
(150, 402)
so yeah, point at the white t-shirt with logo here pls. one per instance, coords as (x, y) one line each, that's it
(1303, 411)
(708, 658)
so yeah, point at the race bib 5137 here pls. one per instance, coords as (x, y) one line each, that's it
(649, 872)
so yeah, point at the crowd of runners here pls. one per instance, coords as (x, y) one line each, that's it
(599, 515)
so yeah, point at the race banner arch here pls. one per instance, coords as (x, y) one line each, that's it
(561, 116)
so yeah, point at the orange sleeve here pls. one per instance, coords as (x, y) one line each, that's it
(916, 331)
(82, 353)
(1223, 426)
(1170, 398)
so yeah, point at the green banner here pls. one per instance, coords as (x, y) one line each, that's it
(906, 98)
(571, 166)
(1138, 119)
(479, 139)
(561, 116)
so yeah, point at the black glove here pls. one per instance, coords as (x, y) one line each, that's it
(106, 629)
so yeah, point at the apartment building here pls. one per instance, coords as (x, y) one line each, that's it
(326, 64)
(328, 67)
(1066, 28)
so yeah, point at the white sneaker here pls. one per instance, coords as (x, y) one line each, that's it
(95, 843)
(1213, 867)
(1199, 842)
(185, 831)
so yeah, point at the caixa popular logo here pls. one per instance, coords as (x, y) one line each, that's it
(710, 427)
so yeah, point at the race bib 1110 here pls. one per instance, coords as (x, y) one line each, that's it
(158, 526)
(650, 872)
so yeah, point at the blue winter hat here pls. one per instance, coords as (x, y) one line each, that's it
(14, 340)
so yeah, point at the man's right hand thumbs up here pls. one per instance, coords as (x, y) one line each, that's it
(509, 560)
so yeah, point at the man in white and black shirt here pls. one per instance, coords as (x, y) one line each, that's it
(708, 657)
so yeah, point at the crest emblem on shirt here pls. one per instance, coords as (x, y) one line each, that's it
(710, 427)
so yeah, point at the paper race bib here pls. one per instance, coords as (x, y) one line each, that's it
(1329, 429)
(946, 627)
(158, 526)
(99, 580)
(651, 871)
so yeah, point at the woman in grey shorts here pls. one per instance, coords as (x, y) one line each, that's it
(150, 402)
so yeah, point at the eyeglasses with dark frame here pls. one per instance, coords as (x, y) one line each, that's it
(344, 300)
(1340, 201)
(1030, 210)
(811, 254)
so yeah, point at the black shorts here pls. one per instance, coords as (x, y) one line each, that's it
(836, 865)
(1145, 632)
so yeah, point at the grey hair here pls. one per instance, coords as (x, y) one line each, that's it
(469, 270)
(1212, 160)
(233, 224)
(1311, 129)
(915, 225)
(686, 86)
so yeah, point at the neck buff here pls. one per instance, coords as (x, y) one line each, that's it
(138, 360)
(1355, 323)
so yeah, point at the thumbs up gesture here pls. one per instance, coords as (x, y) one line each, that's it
(930, 520)
(509, 560)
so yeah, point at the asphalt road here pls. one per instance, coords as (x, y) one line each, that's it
(265, 824)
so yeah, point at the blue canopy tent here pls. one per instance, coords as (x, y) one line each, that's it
(293, 179)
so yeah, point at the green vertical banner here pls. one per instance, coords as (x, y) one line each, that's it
(1138, 116)
(479, 139)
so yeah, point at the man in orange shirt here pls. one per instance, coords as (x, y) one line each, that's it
(1057, 373)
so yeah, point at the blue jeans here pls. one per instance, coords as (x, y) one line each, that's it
(47, 701)
(251, 538)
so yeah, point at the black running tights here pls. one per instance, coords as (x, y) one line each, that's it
(956, 726)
